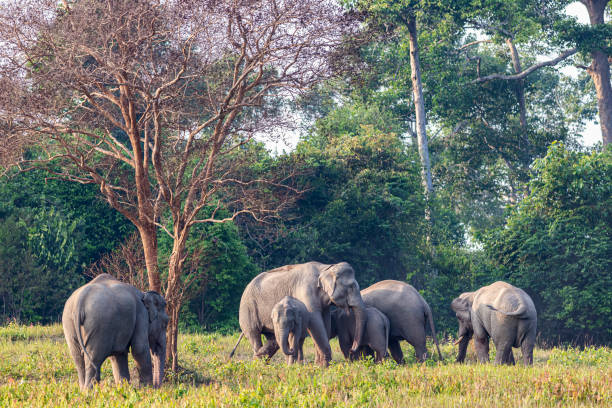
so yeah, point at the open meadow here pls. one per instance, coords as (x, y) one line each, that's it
(36, 370)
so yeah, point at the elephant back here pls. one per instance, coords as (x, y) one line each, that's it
(506, 299)
(399, 301)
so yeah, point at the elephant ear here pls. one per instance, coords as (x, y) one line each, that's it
(327, 280)
(461, 306)
(154, 303)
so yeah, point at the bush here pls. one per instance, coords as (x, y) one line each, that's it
(557, 245)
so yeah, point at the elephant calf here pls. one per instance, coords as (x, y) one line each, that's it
(375, 337)
(291, 320)
(107, 318)
(499, 311)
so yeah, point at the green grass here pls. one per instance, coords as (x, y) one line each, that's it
(36, 370)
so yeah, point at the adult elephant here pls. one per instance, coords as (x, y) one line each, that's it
(316, 285)
(499, 311)
(408, 314)
(106, 318)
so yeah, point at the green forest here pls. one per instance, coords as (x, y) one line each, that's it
(432, 142)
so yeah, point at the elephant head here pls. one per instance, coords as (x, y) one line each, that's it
(338, 282)
(158, 320)
(286, 320)
(462, 307)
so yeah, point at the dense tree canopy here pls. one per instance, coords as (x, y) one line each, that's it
(556, 244)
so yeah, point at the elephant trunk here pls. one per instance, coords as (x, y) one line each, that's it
(463, 341)
(159, 360)
(358, 309)
(284, 342)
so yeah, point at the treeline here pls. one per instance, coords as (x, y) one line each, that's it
(364, 205)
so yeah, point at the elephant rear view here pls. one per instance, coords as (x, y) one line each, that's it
(408, 314)
(107, 318)
(501, 312)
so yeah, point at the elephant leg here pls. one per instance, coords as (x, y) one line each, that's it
(142, 357)
(79, 362)
(92, 373)
(270, 348)
(319, 336)
(121, 370)
(416, 337)
(420, 351)
(396, 351)
(345, 344)
(378, 354)
(504, 349)
(481, 344)
(301, 352)
(511, 357)
(254, 338)
(527, 350)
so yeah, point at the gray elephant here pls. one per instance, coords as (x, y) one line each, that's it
(375, 338)
(291, 320)
(107, 318)
(499, 311)
(316, 285)
(408, 313)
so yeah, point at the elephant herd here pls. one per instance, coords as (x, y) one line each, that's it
(108, 318)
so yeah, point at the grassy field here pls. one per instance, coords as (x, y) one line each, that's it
(36, 370)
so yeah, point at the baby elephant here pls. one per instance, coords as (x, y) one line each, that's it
(291, 319)
(499, 311)
(375, 337)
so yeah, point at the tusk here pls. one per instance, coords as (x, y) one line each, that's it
(458, 340)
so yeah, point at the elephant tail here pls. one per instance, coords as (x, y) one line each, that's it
(433, 330)
(236, 346)
(518, 312)
(78, 317)
(387, 334)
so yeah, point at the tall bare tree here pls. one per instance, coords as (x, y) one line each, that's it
(157, 103)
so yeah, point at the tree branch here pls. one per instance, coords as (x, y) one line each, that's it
(523, 74)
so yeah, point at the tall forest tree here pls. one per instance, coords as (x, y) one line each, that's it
(157, 103)
(400, 18)
(599, 43)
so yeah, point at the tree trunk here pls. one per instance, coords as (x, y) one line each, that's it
(148, 236)
(174, 296)
(520, 89)
(600, 72)
(520, 96)
(173, 307)
(419, 107)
